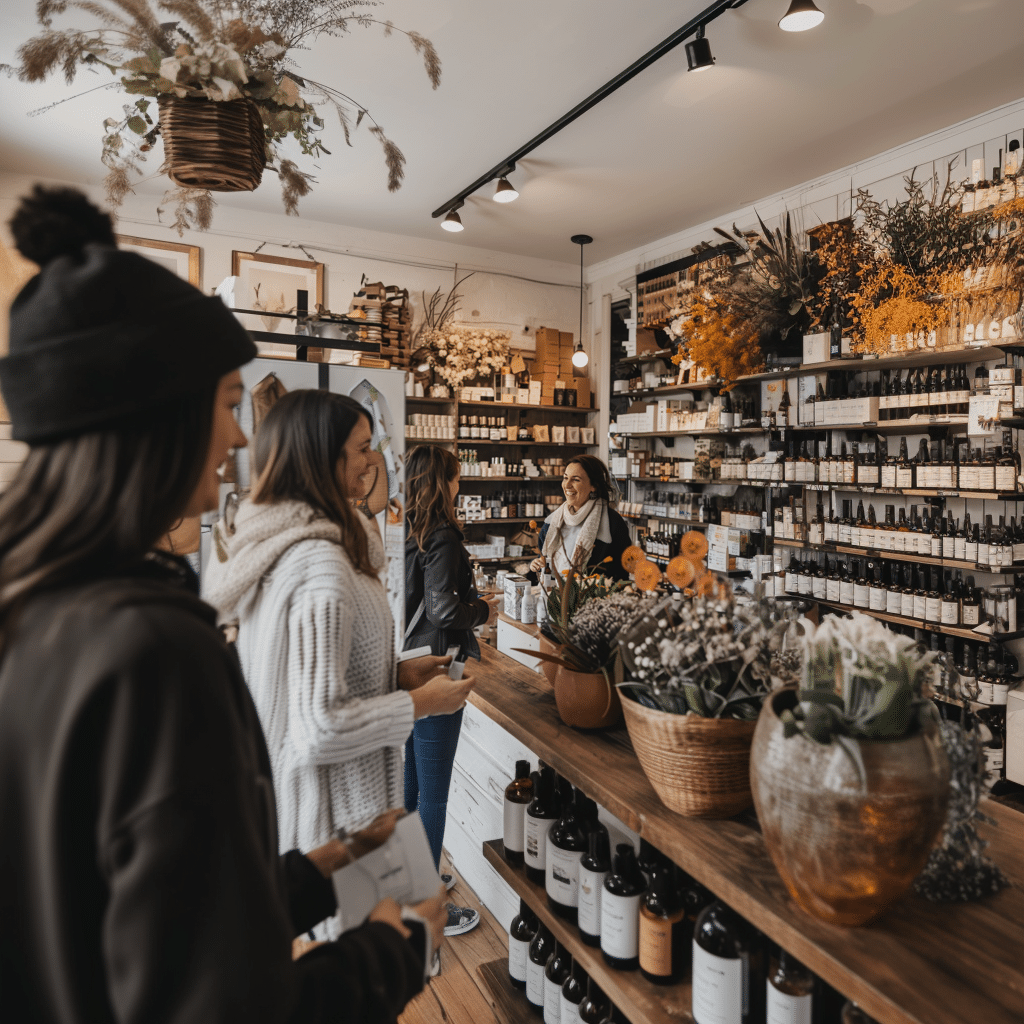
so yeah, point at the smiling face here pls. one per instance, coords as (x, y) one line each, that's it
(225, 435)
(354, 466)
(576, 486)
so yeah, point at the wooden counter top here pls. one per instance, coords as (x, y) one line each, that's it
(527, 627)
(922, 963)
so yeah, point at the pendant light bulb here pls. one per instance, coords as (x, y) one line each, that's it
(505, 191)
(453, 222)
(579, 357)
(801, 16)
(698, 52)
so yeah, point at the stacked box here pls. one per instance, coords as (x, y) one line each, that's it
(582, 386)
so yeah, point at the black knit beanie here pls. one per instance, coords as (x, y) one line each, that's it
(101, 334)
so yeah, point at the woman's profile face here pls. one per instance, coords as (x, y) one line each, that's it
(576, 485)
(225, 435)
(354, 466)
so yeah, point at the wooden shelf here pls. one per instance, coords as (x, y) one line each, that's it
(524, 406)
(509, 1003)
(716, 432)
(496, 522)
(931, 627)
(886, 426)
(921, 963)
(645, 357)
(507, 479)
(695, 523)
(669, 389)
(909, 492)
(474, 442)
(423, 400)
(898, 556)
(629, 990)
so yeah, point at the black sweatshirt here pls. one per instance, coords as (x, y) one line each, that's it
(139, 875)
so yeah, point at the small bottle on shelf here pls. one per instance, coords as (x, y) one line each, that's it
(594, 1006)
(556, 971)
(620, 911)
(573, 991)
(728, 978)
(594, 868)
(541, 814)
(567, 842)
(790, 991)
(663, 934)
(541, 947)
(518, 794)
(520, 935)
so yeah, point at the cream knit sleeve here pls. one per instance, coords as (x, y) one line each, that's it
(327, 671)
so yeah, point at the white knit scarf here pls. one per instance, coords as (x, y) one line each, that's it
(262, 534)
(593, 516)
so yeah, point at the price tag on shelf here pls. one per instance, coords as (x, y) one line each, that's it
(982, 416)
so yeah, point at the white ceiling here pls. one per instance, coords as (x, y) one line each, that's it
(669, 150)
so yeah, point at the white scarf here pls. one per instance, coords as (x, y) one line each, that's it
(593, 520)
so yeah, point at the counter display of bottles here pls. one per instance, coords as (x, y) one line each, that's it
(959, 977)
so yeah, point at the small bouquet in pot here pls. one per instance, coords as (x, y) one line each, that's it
(716, 659)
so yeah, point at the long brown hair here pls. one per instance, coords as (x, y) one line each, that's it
(429, 471)
(296, 457)
(93, 505)
(597, 473)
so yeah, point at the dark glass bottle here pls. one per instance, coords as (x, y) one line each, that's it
(790, 991)
(520, 935)
(542, 946)
(518, 794)
(728, 963)
(573, 991)
(649, 859)
(594, 868)
(541, 814)
(664, 938)
(555, 973)
(567, 841)
(594, 1005)
(620, 911)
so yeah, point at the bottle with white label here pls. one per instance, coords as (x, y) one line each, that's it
(728, 985)
(541, 948)
(555, 973)
(520, 935)
(518, 794)
(594, 1006)
(594, 867)
(790, 991)
(620, 911)
(541, 814)
(567, 842)
(573, 991)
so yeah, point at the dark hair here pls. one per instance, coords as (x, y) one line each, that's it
(297, 449)
(429, 469)
(54, 222)
(92, 505)
(597, 473)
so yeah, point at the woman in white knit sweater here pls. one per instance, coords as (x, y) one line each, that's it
(299, 575)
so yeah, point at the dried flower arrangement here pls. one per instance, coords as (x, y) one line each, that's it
(719, 340)
(217, 50)
(716, 659)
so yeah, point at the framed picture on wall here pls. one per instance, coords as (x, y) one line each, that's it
(273, 283)
(182, 260)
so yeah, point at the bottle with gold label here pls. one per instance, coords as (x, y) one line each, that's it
(664, 938)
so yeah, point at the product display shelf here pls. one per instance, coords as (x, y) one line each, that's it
(913, 492)
(509, 1003)
(885, 426)
(921, 963)
(669, 389)
(898, 556)
(411, 442)
(474, 442)
(932, 627)
(525, 407)
(469, 479)
(423, 400)
(695, 523)
(645, 357)
(498, 519)
(630, 991)
(925, 357)
(715, 432)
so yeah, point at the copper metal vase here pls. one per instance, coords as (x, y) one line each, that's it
(846, 847)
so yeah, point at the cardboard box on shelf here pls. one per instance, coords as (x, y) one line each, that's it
(816, 348)
(565, 339)
(645, 341)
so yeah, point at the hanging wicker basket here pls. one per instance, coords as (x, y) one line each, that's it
(216, 146)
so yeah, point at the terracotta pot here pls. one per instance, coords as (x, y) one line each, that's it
(586, 700)
(699, 767)
(847, 847)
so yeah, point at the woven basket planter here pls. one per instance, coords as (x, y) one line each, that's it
(216, 146)
(699, 767)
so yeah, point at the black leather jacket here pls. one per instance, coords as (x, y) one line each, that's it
(441, 577)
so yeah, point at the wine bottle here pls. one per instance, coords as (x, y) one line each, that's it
(620, 911)
(790, 991)
(727, 973)
(567, 841)
(555, 973)
(520, 935)
(853, 1014)
(594, 867)
(663, 934)
(649, 859)
(594, 1006)
(518, 794)
(541, 814)
(573, 991)
(541, 948)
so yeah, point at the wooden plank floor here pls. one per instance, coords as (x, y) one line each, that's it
(456, 995)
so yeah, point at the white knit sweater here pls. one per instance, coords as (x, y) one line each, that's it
(316, 643)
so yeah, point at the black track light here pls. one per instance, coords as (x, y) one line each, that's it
(801, 16)
(453, 222)
(505, 191)
(698, 53)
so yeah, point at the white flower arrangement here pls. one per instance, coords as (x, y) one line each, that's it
(462, 353)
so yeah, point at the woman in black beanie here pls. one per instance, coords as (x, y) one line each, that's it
(139, 875)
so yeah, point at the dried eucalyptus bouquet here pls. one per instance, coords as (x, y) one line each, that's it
(716, 659)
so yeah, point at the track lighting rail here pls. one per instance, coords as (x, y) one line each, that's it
(501, 169)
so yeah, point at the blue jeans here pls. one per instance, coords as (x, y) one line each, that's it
(429, 757)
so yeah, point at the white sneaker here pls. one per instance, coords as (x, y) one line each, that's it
(449, 881)
(461, 920)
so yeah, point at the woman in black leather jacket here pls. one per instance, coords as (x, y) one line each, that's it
(442, 608)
